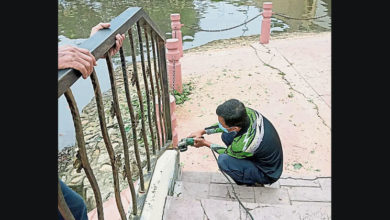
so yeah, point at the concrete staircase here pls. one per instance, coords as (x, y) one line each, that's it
(209, 196)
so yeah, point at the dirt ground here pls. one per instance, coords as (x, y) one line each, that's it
(287, 80)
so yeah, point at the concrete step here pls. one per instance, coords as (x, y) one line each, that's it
(287, 190)
(211, 177)
(212, 209)
(223, 191)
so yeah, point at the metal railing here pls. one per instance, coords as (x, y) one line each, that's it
(155, 87)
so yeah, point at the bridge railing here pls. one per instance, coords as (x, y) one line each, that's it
(151, 64)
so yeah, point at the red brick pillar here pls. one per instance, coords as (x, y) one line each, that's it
(176, 31)
(266, 23)
(174, 65)
(161, 131)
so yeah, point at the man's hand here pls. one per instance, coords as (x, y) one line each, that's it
(200, 142)
(119, 38)
(77, 58)
(197, 134)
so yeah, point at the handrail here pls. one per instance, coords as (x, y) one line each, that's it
(99, 43)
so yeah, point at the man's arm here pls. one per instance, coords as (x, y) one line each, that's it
(197, 134)
(208, 130)
(218, 148)
(234, 150)
(200, 142)
(213, 129)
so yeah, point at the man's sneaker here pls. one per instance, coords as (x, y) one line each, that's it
(258, 185)
(255, 185)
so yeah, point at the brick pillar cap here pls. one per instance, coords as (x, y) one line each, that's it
(172, 44)
(175, 16)
(267, 5)
(172, 40)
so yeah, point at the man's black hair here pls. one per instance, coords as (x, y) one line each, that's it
(234, 113)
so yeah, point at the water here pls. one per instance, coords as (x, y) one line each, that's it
(77, 17)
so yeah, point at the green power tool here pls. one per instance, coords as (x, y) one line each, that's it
(184, 143)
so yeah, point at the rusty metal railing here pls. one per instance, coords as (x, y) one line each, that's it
(155, 88)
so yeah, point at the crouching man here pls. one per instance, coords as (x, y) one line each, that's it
(253, 153)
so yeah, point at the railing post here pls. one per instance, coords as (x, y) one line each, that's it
(164, 83)
(174, 65)
(176, 32)
(266, 23)
(175, 138)
(160, 128)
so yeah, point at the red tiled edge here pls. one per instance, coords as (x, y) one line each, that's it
(110, 208)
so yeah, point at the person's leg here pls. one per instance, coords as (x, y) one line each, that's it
(75, 203)
(241, 171)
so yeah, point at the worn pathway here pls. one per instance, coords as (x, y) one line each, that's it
(287, 80)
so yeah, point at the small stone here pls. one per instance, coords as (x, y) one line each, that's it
(105, 168)
(76, 180)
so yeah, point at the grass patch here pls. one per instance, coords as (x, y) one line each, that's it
(184, 96)
(297, 166)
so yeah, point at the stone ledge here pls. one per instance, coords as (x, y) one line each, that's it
(161, 183)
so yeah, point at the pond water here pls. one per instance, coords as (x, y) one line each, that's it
(77, 17)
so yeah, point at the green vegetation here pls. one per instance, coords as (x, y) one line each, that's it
(297, 166)
(184, 96)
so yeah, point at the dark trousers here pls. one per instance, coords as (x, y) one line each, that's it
(242, 171)
(75, 203)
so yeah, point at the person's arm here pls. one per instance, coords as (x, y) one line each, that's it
(213, 129)
(218, 148)
(81, 59)
(118, 38)
(201, 142)
(236, 149)
(208, 130)
(77, 58)
(197, 134)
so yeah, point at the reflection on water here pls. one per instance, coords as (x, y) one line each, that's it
(77, 17)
